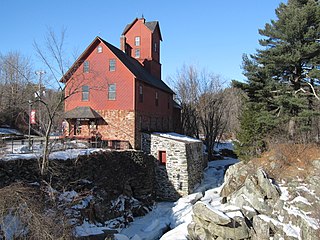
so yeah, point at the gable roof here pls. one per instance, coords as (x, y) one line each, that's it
(82, 112)
(152, 26)
(132, 65)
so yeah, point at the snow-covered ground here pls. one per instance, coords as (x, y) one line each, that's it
(167, 220)
(178, 215)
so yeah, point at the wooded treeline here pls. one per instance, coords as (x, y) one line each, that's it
(283, 78)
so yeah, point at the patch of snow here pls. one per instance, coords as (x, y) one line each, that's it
(284, 193)
(120, 237)
(288, 229)
(224, 145)
(178, 233)
(84, 203)
(292, 231)
(250, 209)
(301, 199)
(297, 212)
(87, 229)
(68, 196)
(177, 136)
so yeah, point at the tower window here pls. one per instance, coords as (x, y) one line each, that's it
(137, 53)
(140, 94)
(155, 47)
(86, 66)
(99, 49)
(157, 99)
(112, 65)
(85, 93)
(137, 41)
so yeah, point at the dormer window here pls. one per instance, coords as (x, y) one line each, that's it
(137, 41)
(99, 49)
(86, 66)
(137, 53)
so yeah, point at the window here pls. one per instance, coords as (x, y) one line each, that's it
(112, 65)
(155, 48)
(162, 157)
(86, 66)
(140, 93)
(85, 93)
(137, 41)
(157, 99)
(99, 49)
(137, 53)
(112, 91)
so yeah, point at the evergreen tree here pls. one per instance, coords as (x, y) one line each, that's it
(284, 76)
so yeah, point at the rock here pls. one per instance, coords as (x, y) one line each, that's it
(261, 228)
(271, 191)
(237, 229)
(234, 178)
(209, 214)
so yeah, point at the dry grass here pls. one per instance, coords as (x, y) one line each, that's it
(287, 161)
(23, 215)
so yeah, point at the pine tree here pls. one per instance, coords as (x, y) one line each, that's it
(283, 77)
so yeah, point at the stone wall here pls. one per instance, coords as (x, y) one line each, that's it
(116, 125)
(112, 172)
(183, 168)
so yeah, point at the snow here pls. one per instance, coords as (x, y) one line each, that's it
(59, 155)
(87, 229)
(301, 199)
(284, 193)
(178, 215)
(177, 136)
(224, 145)
(289, 229)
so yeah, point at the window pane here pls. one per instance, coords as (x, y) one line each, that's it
(86, 67)
(112, 65)
(137, 41)
(112, 91)
(137, 53)
(99, 49)
(85, 93)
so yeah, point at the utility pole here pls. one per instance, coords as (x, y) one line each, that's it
(29, 132)
(40, 73)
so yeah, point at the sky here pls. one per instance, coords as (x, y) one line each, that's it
(209, 34)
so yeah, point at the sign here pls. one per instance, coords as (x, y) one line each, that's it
(33, 117)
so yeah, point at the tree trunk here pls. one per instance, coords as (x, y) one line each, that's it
(45, 158)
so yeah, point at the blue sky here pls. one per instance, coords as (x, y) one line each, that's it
(210, 34)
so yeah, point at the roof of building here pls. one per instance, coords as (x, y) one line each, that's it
(82, 112)
(137, 69)
(131, 63)
(177, 137)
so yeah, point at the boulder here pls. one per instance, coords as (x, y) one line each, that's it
(237, 229)
(208, 213)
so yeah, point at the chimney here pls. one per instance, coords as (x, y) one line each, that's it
(123, 43)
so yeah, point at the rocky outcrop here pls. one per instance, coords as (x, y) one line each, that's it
(256, 207)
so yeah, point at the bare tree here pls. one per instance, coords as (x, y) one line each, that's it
(205, 109)
(187, 86)
(16, 88)
(52, 54)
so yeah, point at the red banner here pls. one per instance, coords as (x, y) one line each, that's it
(33, 117)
